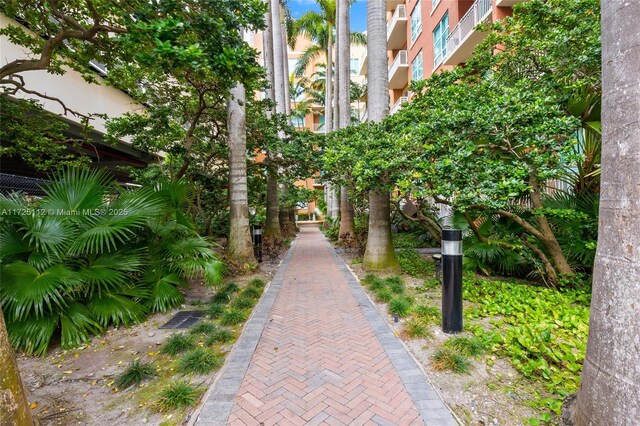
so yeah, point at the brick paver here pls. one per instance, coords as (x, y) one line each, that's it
(325, 356)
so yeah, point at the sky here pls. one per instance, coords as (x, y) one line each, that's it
(358, 12)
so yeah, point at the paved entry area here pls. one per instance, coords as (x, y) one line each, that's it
(317, 351)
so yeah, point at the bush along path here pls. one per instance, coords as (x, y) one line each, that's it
(521, 352)
(316, 350)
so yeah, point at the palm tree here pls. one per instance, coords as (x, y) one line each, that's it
(239, 245)
(379, 253)
(610, 388)
(319, 26)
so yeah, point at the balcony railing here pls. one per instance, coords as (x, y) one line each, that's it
(399, 13)
(478, 12)
(396, 107)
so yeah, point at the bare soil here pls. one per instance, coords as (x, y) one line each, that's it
(76, 387)
(493, 393)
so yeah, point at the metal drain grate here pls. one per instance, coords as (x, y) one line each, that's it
(183, 319)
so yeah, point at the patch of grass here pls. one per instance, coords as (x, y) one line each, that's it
(243, 302)
(199, 361)
(135, 373)
(384, 295)
(221, 297)
(395, 284)
(412, 263)
(467, 346)
(215, 310)
(251, 292)
(357, 261)
(230, 288)
(203, 327)
(447, 359)
(377, 284)
(413, 328)
(368, 279)
(400, 305)
(179, 394)
(232, 316)
(220, 335)
(406, 240)
(431, 283)
(257, 283)
(178, 343)
(427, 313)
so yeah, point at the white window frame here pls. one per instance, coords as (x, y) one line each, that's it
(414, 63)
(416, 17)
(439, 58)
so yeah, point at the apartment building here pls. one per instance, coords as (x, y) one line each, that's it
(427, 36)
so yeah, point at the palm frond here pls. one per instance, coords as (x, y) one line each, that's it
(116, 309)
(76, 190)
(32, 335)
(359, 39)
(308, 56)
(76, 325)
(163, 294)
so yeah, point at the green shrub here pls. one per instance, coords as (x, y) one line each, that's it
(232, 316)
(412, 263)
(220, 335)
(243, 302)
(70, 276)
(368, 279)
(446, 359)
(199, 361)
(406, 241)
(377, 284)
(257, 283)
(230, 288)
(178, 343)
(395, 284)
(215, 310)
(177, 395)
(251, 292)
(383, 295)
(221, 298)
(135, 373)
(400, 305)
(466, 346)
(203, 327)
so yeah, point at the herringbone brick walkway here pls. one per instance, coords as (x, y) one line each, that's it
(320, 360)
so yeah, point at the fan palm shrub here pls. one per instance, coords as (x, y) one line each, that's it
(90, 254)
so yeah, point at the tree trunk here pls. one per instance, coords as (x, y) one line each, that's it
(335, 206)
(14, 406)
(347, 224)
(379, 254)
(610, 389)
(239, 245)
(285, 64)
(272, 222)
(328, 100)
(267, 44)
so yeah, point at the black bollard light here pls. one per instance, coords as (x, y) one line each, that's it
(257, 242)
(451, 280)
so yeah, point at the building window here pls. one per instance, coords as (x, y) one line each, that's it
(293, 63)
(297, 121)
(434, 4)
(440, 34)
(416, 67)
(355, 66)
(416, 21)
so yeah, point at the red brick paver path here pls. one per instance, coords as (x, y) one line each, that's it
(318, 360)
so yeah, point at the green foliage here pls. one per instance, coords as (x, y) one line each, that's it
(377, 284)
(178, 343)
(230, 288)
(203, 327)
(199, 361)
(412, 263)
(427, 313)
(251, 292)
(219, 335)
(243, 302)
(177, 395)
(415, 328)
(221, 298)
(383, 295)
(407, 240)
(215, 310)
(400, 305)
(135, 373)
(89, 254)
(257, 283)
(232, 316)
(467, 346)
(448, 359)
(543, 331)
(395, 284)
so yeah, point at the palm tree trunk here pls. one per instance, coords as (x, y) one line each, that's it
(239, 246)
(285, 64)
(14, 406)
(610, 389)
(336, 80)
(335, 211)
(328, 101)
(267, 45)
(278, 58)
(379, 254)
(272, 222)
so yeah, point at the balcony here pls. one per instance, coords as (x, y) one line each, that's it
(464, 38)
(397, 28)
(399, 71)
(508, 3)
(398, 105)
